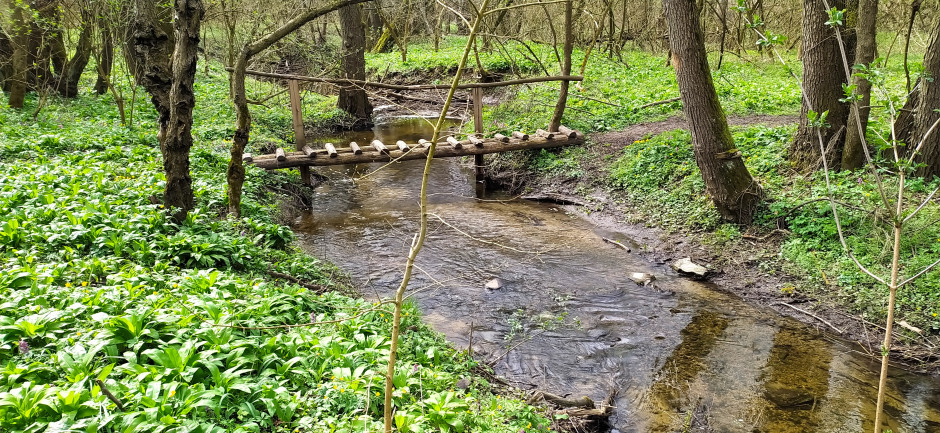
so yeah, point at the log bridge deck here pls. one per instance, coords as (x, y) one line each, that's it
(377, 151)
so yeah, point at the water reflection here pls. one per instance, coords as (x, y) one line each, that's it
(578, 326)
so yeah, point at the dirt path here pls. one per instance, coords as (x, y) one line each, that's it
(750, 267)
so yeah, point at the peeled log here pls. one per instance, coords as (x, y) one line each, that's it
(454, 142)
(296, 159)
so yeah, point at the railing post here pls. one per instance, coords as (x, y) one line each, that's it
(300, 140)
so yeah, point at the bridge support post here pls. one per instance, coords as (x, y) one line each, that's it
(478, 128)
(296, 110)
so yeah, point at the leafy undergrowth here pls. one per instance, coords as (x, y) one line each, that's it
(658, 179)
(114, 318)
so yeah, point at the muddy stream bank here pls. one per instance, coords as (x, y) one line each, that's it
(568, 320)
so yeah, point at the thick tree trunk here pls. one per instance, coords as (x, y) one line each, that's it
(6, 59)
(904, 123)
(44, 46)
(18, 62)
(823, 77)
(727, 181)
(926, 114)
(235, 174)
(352, 99)
(67, 83)
(151, 49)
(853, 156)
(106, 58)
(178, 194)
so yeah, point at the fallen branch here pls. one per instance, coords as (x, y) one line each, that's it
(811, 315)
(315, 287)
(107, 393)
(653, 104)
(617, 243)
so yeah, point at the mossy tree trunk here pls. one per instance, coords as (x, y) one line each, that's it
(727, 181)
(18, 65)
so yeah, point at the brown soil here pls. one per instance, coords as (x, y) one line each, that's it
(749, 267)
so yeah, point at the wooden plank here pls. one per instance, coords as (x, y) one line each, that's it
(544, 133)
(454, 142)
(570, 133)
(424, 143)
(280, 155)
(354, 148)
(361, 83)
(520, 135)
(331, 150)
(298, 159)
(309, 151)
(501, 138)
(297, 114)
(377, 145)
(402, 146)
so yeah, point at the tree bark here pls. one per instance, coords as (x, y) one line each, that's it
(853, 156)
(823, 77)
(727, 181)
(67, 82)
(151, 48)
(18, 59)
(926, 114)
(178, 194)
(565, 70)
(352, 99)
(106, 59)
(235, 174)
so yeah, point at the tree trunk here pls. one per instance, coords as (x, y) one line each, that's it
(151, 49)
(565, 70)
(178, 194)
(904, 123)
(853, 156)
(18, 61)
(926, 114)
(235, 174)
(727, 181)
(823, 77)
(106, 59)
(67, 82)
(352, 99)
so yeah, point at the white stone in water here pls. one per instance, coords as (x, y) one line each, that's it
(686, 266)
(494, 284)
(642, 278)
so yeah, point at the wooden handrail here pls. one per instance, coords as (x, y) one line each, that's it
(411, 87)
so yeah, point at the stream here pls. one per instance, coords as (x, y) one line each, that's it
(568, 320)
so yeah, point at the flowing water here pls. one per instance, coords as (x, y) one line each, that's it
(569, 320)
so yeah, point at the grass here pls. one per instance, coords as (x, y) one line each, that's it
(114, 318)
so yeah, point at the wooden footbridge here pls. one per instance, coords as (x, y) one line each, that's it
(377, 151)
(305, 156)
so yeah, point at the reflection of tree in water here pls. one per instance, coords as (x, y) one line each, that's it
(796, 380)
(668, 396)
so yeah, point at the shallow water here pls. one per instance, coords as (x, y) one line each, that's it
(568, 320)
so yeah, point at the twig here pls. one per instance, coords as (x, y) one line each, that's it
(617, 243)
(315, 287)
(110, 396)
(810, 314)
(653, 104)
